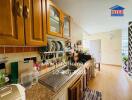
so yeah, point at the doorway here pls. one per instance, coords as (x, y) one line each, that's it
(95, 49)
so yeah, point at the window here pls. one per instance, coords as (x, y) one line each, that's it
(125, 43)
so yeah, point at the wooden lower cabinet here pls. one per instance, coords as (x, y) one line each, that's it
(62, 96)
(75, 92)
(85, 82)
(88, 75)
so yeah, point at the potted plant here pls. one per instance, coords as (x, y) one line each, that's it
(125, 60)
(2, 78)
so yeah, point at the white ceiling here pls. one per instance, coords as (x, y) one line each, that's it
(94, 16)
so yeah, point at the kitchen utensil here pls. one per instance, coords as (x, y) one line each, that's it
(58, 46)
(61, 45)
(55, 45)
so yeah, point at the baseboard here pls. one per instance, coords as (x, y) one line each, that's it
(112, 65)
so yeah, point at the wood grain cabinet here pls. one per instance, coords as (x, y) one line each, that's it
(35, 22)
(23, 22)
(54, 19)
(75, 92)
(66, 26)
(11, 22)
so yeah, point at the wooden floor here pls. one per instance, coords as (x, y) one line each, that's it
(113, 83)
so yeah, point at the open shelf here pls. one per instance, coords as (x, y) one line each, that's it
(52, 52)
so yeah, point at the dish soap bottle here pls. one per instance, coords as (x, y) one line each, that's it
(35, 75)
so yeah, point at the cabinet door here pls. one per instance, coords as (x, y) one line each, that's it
(35, 22)
(84, 82)
(11, 22)
(62, 96)
(66, 27)
(54, 19)
(75, 92)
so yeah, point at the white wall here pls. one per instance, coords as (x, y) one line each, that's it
(95, 16)
(16, 57)
(76, 32)
(110, 46)
(111, 49)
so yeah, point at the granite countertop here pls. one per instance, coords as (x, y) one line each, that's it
(42, 92)
(39, 92)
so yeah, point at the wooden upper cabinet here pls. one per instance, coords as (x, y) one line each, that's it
(66, 26)
(26, 22)
(35, 22)
(11, 22)
(54, 19)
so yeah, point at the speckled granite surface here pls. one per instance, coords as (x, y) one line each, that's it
(39, 92)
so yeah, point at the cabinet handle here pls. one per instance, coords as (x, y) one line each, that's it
(62, 24)
(26, 12)
(19, 9)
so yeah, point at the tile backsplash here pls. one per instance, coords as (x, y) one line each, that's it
(1, 50)
(17, 49)
(13, 57)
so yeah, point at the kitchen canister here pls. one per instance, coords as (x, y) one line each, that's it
(14, 72)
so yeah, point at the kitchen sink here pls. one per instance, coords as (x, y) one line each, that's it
(68, 69)
(54, 80)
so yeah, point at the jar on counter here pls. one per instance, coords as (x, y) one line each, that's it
(35, 75)
(26, 79)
